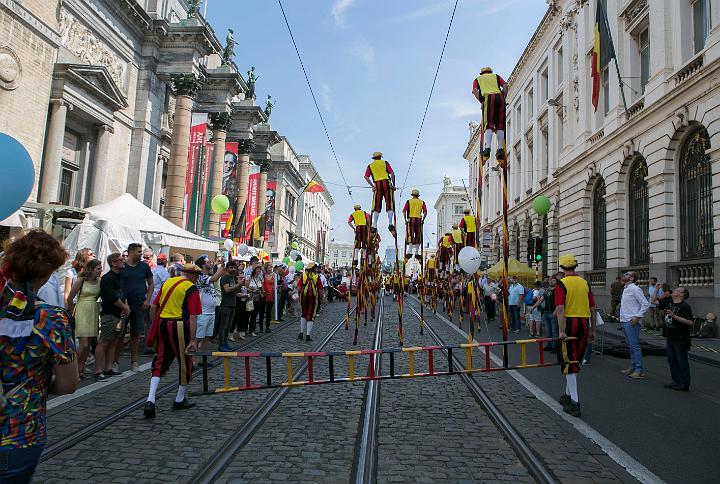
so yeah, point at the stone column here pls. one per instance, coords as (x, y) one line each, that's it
(157, 185)
(50, 182)
(245, 146)
(220, 122)
(101, 168)
(185, 87)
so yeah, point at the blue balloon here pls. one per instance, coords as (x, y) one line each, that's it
(16, 164)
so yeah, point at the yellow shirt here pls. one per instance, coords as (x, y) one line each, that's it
(359, 218)
(416, 206)
(176, 306)
(488, 84)
(469, 223)
(457, 236)
(379, 170)
(431, 263)
(577, 297)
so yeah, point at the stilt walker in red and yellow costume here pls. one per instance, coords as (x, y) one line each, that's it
(359, 222)
(458, 242)
(380, 176)
(309, 287)
(469, 227)
(414, 212)
(490, 90)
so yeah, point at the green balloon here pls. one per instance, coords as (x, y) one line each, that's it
(220, 204)
(286, 260)
(294, 245)
(541, 205)
(299, 265)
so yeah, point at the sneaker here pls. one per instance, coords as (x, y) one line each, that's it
(573, 408)
(231, 338)
(90, 360)
(308, 338)
(486, 154)
(627, 371)
(564, 400)
(682, 388)
(636, 375)
(100, 377)
(112, 373)
(671, 385)
(253, 334)
(516, 331)
(184, 405)
(300, 336)
(584, 363)
(134, 366)
(149, 409)
(242, 334)
(116, 366)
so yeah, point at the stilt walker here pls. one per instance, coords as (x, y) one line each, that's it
(309, 287)
(359, 222)
(381, 178)
(458, 241)
(491, 91)
(414, 212)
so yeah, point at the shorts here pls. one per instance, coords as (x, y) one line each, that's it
(138, 316)
(205, 325)
(111, 327)
(535, 315)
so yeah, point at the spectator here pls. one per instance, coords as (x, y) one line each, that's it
(268, 286)
(50, 292)
(677, 324)
(549, 318)
(206, 287)
(230, 286)
(616, 290)
(81, 258)
(239, 327)
(633, 307)
(254, 262)
(147, 258)
(137, 282)
(490, 288)
(113, 310)
(283, 289)
(37, 352)
(255, 289)
(650, 320)
(175, 269)
(534, 314)
(160, 274)
(86, 313)
(515, 298)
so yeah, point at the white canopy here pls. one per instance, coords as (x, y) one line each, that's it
(126, 210)
(102, 236)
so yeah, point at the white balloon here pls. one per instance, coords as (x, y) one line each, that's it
(228, 244)
(291, 269)
(242, 249)
(469, 259)
(293, 255)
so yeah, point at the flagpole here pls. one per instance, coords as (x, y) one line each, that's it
(614, 55)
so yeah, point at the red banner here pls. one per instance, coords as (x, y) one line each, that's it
(198, 129)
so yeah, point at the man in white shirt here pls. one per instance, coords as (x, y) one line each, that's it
(516, 292)
(633, 307)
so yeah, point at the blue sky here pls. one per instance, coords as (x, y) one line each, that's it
(371, 64)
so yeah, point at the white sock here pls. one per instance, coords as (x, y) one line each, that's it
(181, 393)
(362, 253)
(303, 321)
(154, 382)
(355, 254)
(309, 327)
(500, 138)
(391, 217)
(571, 379)
(488, 138)
(375, 216)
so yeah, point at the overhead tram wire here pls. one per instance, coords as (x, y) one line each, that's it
(427, 105)
(317, 107)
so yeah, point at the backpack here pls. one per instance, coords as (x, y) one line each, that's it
(529, 299)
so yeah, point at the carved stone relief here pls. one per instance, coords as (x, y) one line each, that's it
(10, 69)
(82, 42)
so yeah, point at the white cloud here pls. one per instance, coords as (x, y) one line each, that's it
(363, 50)
(325, 96)
(339, 8)
(462, 108)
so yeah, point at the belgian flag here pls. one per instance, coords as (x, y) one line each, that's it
(313, 187)
(603, 50)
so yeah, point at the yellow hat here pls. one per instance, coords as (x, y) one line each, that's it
(357, 206)
(485, 70)
(455, 226)
(568, 261)
(377, 154)
(191, 268)
(467, 210)
(310, 266)
(415, 192)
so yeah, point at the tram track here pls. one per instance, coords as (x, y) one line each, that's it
(534, 464)
(219, 462)
(69, 441)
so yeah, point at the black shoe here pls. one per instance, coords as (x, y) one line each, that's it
(184, 405)
(112, 373)
(564, 401)
(308, 338)
(355, 263)
(486, 154)
(500, 154)
(573, 409)
(671, 385)
(300, 336)
(373, 230)
(100, 377)
(682, 388)
(391, 228)
(149, 410)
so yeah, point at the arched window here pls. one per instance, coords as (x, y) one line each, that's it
(695, 179)
(639, 219)
(599, 226)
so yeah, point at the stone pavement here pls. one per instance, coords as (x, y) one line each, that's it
(172, 446)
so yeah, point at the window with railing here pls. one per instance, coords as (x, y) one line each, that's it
(599, 226)
(639, 216)
(695, 179)
(701, 23)
(643, 41)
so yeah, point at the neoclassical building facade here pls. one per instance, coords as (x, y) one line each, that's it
(101, 93)
(636, 189)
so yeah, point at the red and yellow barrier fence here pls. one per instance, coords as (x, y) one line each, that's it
(246, 382)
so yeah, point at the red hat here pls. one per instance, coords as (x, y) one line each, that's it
(162, 257)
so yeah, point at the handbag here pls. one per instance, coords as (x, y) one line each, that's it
(152, 336)
(249, 306)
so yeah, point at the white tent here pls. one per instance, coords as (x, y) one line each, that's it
(102, 236)
(154, 229)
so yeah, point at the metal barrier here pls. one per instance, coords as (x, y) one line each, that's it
(247, 382)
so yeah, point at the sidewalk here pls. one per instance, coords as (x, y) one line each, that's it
(705, 350)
